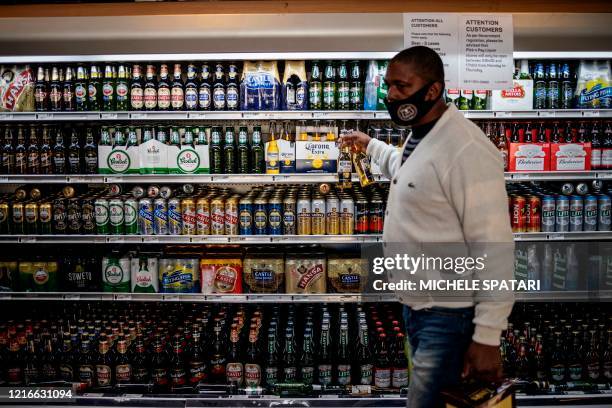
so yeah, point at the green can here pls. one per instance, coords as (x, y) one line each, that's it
(116, 273)
(102, 216)
(116, 216)
(130, 216)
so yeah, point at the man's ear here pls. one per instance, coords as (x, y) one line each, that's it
(435, 91)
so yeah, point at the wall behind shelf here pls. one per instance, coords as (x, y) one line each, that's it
(272, 33)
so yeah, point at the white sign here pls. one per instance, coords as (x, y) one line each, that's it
(476, 49)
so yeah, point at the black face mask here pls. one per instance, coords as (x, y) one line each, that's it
(405, 112)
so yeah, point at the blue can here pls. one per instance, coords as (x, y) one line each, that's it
(245, 215)
(562, 214)
(604, 203)
(145, 216)
(548, 213)
(160, 217)
(260, 216)
(590, 213)
(175, 217)
(275, 216)
(576, 213)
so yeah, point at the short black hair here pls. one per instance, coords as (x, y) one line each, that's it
(426, 62)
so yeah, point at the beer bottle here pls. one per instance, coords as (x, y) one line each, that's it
(55, 90)
(163, 89)
(343, 87)
(205, 89)
(21, 154)
(605, 366)
(539, 92)
(80, 89)
(123, 89)
(329, 87)
(90, 153)
(382, 370)
(150, 89)
(198, 370)
(68, 92)
(104, 365)
(243, 150)
(233, 368)
(46, 154)
(159, 365)
(232, 93)
(85, 362)
(343, 368)
(216, 154)
(557, 361)
(8, 152)
(252, 367)
(218, 88)
(574, 359)
(363, 169)
(606, 148)
(592, 359)
(123, 366)
(14, 363)
(522, 363)
(271, 371)
(315, 91)
(41, 90)
(289, 358)
(218, 357)
(177, 93)
(109, 98)
(540, 371)
(567, 87)
(356, 87)
(140, 363)
(136, 89)
(49, 364)
(31, 363)
(257, 152)
(229, 151)
(345, 168)
(307, 359)
(66, 361)
(324, 366)
(74, 153)
(191, 88)
(59, 153)
(553, 87)
(94, 89)
(175, 137)
(363, 357)
(178, 375)
(273, 153)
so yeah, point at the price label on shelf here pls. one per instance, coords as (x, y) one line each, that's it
(114, 179)
(172, 298)
(547, 114)
(3, 179)
(44, 116)
(503, 114)
(71, 296)
(591, 113)
(116, 240)
(123, 297)
(138, 115)
(556, 236)
(7, 116)
(197, 116)
(4, 296)
(27, 240)
(108, 116)
(520, 176)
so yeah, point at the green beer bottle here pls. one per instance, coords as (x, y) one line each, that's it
(216, 160)
(243, 150)
(94, 89)
(315, 91)
(329, 87)
(257, 152)
(343, 94)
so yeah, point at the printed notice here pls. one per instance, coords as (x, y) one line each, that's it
(485, 51)
(438, 32)
(476, 49)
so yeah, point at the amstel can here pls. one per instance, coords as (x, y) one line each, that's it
(145, 216)
(231, 216)
(31, 218)
(160, 217)
(217, 216)
(189, 216)
(245, 215)
(202, 216)
(45, 212)
(130, 216)
(175, 217)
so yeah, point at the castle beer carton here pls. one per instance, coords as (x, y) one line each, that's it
(153, 157)
(570, 156)
(529, 156)
(188, 159)
(118, 159)
(519, 97)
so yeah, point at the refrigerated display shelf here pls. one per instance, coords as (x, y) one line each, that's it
(564, 236)
(289, 178)
(286, 115)
(565, 296)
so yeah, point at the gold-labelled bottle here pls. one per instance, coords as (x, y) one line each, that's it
(273, 154)
(177, 93)
(345, 168)
(41, 90)
(363, 168)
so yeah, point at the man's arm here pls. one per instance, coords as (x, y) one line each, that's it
(385, 156)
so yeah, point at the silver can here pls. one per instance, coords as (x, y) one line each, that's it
(175, 217)
(562, 214)
(590, 213)
(138, 192)
(160, 217)
(165, 192)
(145, 216)
(548, 213)
(576, 213)
(603, 208)
(153, 191)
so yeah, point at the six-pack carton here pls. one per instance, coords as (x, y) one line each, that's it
(570, 156)
(519, 97)
(188, 159)
(529, 156)
(118, 159)
(153, 157)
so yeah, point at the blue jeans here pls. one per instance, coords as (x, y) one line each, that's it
(439, 338)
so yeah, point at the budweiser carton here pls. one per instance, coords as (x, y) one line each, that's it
(570, 156)
(529, 157)
(519, 97)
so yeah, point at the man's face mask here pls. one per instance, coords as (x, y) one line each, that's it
(405, 112)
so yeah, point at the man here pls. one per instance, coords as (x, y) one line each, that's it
(447, 186)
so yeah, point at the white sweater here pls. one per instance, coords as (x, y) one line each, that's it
(452, 190)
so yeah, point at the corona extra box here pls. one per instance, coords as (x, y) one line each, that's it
(316, 157)
(520, 97)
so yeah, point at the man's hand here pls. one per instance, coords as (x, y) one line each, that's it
(482, 362)
(356, 139)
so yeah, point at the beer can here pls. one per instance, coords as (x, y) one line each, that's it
(231, 216)
(582, 189)
(317, 215)
(347, 216)
(138, 192)
(116, 217)
(567, 189)
(5, 225)
(202, 216)
(548, 213)
(74, 216)
(332, 218)
(590, 213)
(45, 213)
(116, 274)
(145, 217)
(187, 188)
(160, 216)
(153, 191)
(597, 185)
(175, 217)
(304, 225)
(362, 222)
(102, 215)
(88, 216)
(377, 215)
(275, 216)
(245, 213)
(113, 190)
(562, 214)
(260, 215)
(289, 221)
(576, 213)
(31, 218)
(518, 219)
(217, 216)
(165, 192)
(533, 212)
(130, 215)
(603, 208)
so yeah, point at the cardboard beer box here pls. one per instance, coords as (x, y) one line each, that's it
(153, 157)
(118, 159)
(316, 150)
(286, 155)
(520, 97)
(570, 156)
(188, 159)
(529, 156)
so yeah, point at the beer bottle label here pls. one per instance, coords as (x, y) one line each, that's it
(344, 374)
(197, 372)
(55, 96)
(137, 98)
(80, 93)
(271, 374)
(343, 93)
(399, 378)
(232, 97)
(329, 92)
(557, 372)
(103, 375)
(140, 374)
(86, 373)
(593, 370)
(252, 375)
(40, 95)
(30, 374)
(107, 92)
(315, 95)
(150, 98)
(365, 374)
(191, 98)
(307, 374)
(324, 374)
(178, 376)
(92, 92)
(160, 376)
(300, 96)
(177, 97)
(123, 373)
(122, 92)
(607, 370)
(382, 377)
(234, 372)
(49, 372)
(163, 98)
(289, 374)
(575, 372)
(204, 97)
(355, 93)
(14, 375)
(66, 372)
